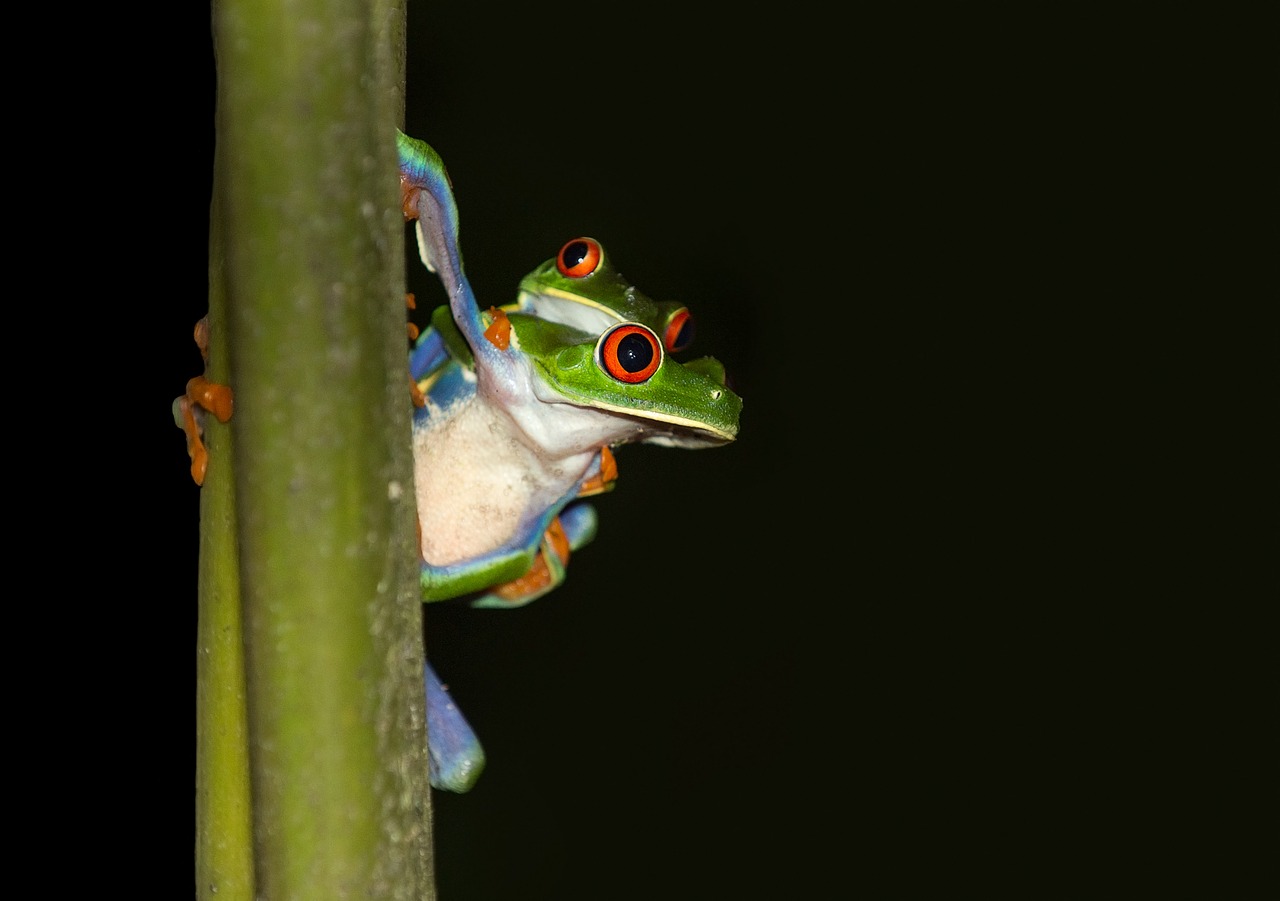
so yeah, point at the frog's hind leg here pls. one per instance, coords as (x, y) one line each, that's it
(574, 528)
(547, 571)
(455, 758)
(579, 523)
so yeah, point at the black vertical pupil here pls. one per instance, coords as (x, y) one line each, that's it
(684, 337)
(634, 353)
(574, 254)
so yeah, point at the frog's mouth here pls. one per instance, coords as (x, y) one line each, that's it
(696, 410)
(658, 427)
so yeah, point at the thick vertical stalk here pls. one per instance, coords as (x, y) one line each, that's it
(309, 95)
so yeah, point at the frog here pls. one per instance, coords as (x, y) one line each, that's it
(580, 287)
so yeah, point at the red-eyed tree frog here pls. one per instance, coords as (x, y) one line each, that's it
(518, 408)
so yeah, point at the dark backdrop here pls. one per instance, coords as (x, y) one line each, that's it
(882, 641)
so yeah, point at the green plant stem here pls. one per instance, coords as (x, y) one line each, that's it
(318, 522)
(224, 821)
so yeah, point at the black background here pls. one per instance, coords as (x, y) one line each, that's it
(906, 631)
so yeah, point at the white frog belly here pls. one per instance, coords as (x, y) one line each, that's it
(477, 481)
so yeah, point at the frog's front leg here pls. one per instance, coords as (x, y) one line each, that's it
(201, 395)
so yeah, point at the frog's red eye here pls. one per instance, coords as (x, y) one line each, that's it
(629, 352)
(579, 258)
(679, 332)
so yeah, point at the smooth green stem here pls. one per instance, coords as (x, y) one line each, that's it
(224, 821)
(329, 712)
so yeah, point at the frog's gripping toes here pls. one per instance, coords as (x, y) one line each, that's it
(201, 395)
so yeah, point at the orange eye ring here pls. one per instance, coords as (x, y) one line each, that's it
(629, 352)
(679, 331)
(579, 258)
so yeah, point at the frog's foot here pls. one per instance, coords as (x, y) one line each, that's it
(411, 303)
(187, 417)
(604, 479)
(499, 330)
(408, 198)
(455, 758)
(579, 522)
(545, 574)
(419, 399)
(201, 395)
